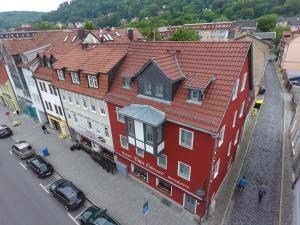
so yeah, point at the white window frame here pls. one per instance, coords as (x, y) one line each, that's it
(229, 148)
(242, 109)
(192, 98)
(93, 82)
(106, 132)
(75, 118)
(236, 136)
(92, 103)
(84, 100)
(125, 147)
(221, 136)
(235, 89)
(184, 145)
(102, 108)
(178, 170)
(244, 82)
(234, 119)
(161, 166)
(216, 169)
(90, 125)
(127, 83)
(140, 155)
(70, 98)
(75, 78)
(60, 74)
(118, 117)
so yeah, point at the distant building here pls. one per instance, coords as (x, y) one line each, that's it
(293, 22)
(79, 25)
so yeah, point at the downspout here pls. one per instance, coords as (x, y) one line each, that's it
(211, 173)
(37, 87)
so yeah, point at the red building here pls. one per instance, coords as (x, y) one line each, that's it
(177, 111)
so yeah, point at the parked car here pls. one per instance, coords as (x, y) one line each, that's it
(67, 193)
(39, 166)
(5, 131)
(96, 216)
(22, 149)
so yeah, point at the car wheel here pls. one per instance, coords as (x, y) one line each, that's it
(67, 207)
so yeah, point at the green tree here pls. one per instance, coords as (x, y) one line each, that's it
(43, 26)
(267, 22)
(185, 35)
(279, 32)
(89, 25)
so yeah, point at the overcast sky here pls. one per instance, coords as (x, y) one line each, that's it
(29, 5)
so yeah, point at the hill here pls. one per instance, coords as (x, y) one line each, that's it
(17, 18)
(160, 12)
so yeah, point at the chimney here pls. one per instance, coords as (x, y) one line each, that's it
(130, 34)
(81, 34)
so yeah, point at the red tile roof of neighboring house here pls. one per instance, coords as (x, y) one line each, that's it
(199, 61)
(44, 73)
(3, 73)
(93, 60)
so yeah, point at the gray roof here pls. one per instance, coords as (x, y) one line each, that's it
(290, 20)
(265, 35)
(144, 113)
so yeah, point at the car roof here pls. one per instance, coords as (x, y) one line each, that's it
(21, 144)
(38, 161)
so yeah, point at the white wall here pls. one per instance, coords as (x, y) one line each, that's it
(99, 120)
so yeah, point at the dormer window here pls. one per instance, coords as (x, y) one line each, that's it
(75, 78)
(126, 83)
(61, 74)
(147, 88)
(93, 82)
(195, 96)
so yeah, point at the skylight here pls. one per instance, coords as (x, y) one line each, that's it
(106, 38)
(110, 37)
(117, 34)
(74, 38)
(66, 38)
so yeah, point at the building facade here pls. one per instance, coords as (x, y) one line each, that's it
(171, 131)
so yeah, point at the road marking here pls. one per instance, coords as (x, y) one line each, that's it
(25, 168)
(10, 152)
(72, 218)
(80, 214)
(48, 185)
(45, 189)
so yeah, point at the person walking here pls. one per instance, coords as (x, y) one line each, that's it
(261, 194)
(45, 129)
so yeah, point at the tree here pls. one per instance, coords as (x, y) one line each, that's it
(43, 26)
(279, 32)
(185, 35)
(89, 25)
(267, 22)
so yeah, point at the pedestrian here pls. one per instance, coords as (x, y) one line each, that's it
(261, 193)
(242, 183)
(45, 129)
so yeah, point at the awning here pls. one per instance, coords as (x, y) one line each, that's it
(145, 113)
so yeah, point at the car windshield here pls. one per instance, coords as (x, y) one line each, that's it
(25, 149)
(104, 220)
(43, 168)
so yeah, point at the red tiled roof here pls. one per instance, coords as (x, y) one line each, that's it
(93, 60)
(199, 61)
(3, 73)
(44, 73)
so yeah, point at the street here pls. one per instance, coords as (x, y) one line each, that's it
(23, 198)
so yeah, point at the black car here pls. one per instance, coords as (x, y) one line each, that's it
(67, 193)
(96, 216)
(39, 166)
(5, 131)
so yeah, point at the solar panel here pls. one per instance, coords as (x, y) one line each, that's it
(74, 38)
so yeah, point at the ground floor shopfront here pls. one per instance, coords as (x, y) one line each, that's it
(9, 102)
(169, 187)
(59, 125)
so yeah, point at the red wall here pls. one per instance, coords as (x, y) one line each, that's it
(199, 158)
(230, 132)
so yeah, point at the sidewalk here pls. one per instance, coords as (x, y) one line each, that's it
(123, 197)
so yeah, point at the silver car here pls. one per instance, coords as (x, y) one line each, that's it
(22, 149)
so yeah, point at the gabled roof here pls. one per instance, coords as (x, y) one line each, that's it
(246, 34)
(44, 73)
(198, 61)
(93, 60)
(3, 73)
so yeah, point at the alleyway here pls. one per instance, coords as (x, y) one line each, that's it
(263, 163)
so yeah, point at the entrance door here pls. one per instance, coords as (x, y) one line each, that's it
(189, 203)
(56, 126)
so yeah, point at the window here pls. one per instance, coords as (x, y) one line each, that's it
(84, 103)
(236, 137)
(162, 161)
(45, 89)
(60, 110)
(184, 171)
(69, 116)
(77, 101)
(216, 171)
(51, 90)
(140, 152)
(235, 89)
(130, 127)
(50, 106)
(126, 83)
(139, 172)
(70, 99)
(159, 90)
(93, 106)
(89, 125)
(159, 134)
(229, 149)
(186, 138)
(149, 134)
(234, 119)
(164, 186)
(75, 78)
(244, 82)
(147, 88)
(46, 103)
(120, 117)
(56, 109)
(75, 117)
(195, 96)
(124, 142)
(41, 86)
(221, 136)
(64, 98)
(61, 74)
(242, 109)
(106, 132)
(93, 81)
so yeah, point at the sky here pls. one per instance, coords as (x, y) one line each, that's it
(29, 5)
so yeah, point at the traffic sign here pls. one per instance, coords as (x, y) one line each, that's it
(146, 208)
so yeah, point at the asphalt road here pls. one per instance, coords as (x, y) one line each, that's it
(22, 200)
